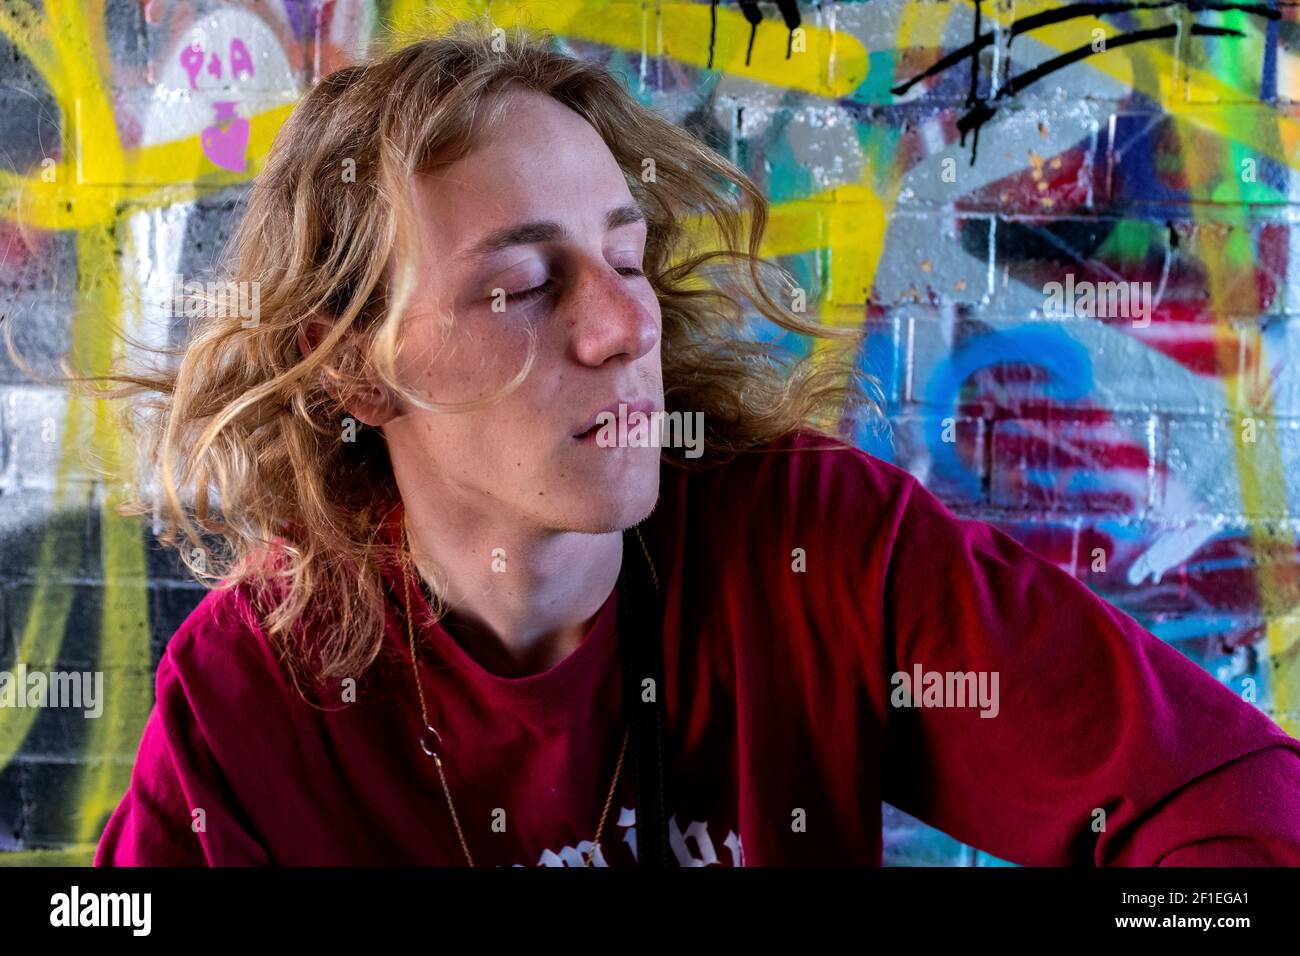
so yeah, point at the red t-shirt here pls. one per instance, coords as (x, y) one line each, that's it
(800, 582)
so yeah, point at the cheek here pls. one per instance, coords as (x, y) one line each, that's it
(471, 361)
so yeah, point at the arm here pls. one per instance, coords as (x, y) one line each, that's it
(1093, 713)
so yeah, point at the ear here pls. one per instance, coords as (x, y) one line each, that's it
(375, 405)
(311, 331)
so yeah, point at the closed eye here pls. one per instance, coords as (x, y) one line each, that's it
(529, 294)
(538, 291)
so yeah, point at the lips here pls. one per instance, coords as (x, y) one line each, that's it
(587, 428)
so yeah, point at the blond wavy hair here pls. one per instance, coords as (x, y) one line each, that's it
(245, 417)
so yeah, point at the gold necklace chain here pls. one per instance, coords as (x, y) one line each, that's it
(431, 740)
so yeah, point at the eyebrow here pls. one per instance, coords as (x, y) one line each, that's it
(547, 230)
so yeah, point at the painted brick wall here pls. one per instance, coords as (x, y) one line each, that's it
(933, 166)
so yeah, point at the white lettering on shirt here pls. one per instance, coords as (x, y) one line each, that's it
(691, 847)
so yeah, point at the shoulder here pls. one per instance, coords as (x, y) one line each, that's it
(802, 481)
(220, 652)
(807, 498)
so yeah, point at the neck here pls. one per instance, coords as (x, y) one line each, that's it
(518, 598)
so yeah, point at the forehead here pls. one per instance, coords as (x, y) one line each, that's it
(541, 161)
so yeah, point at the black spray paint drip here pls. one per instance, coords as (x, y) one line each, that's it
(789, 13)
(973, 99)
(979, 111)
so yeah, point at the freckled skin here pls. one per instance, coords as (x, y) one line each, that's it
(595, 325)
(597, 335)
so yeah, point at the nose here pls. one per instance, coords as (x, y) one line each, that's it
(613, 315)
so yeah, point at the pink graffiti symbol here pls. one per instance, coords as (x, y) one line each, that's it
(226, 141)
(192, 58)
(240, 61)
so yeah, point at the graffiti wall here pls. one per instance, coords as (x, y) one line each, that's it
(1065, 226)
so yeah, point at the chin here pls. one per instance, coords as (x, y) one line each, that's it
(615, 505)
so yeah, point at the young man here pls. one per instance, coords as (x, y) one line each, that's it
(462, 263)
